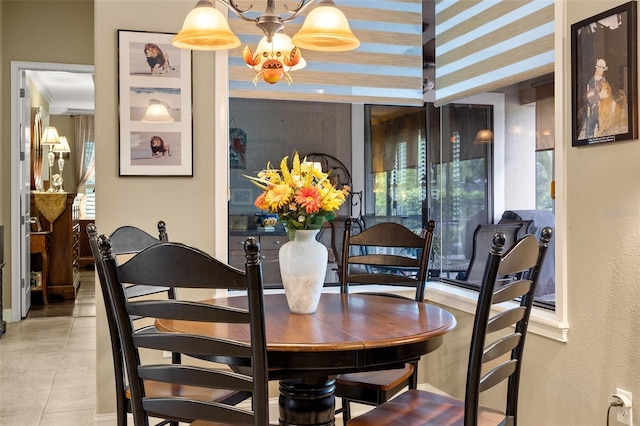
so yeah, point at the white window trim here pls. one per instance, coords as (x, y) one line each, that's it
(542, 321)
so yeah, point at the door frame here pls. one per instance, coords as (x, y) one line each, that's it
(17, 239)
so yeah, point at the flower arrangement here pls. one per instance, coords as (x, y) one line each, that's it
(302, 196)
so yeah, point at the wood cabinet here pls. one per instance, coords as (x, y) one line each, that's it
(86, 257)
(40, 246)
(64, 244)
(269, 249)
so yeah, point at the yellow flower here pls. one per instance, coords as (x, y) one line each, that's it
(278, 196)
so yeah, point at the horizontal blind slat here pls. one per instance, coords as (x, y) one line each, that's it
(482, 45)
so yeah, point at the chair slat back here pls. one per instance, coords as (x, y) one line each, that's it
(526, 258)
(386, 254)
(130, 239)
(175, 265)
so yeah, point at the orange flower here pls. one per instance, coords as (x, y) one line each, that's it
(310, 198)
(261, 202)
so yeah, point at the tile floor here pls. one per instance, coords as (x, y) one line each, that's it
(48, 363)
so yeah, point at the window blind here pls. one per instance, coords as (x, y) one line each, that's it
(482, 45)
(385, 69)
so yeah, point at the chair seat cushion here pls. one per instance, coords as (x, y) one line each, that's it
(416, 407)
(383, 380)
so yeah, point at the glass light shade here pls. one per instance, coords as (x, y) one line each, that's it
(157, 112)
(326, 29)
(50, 136)
(281, 43)
(205, 28)
(484, 136)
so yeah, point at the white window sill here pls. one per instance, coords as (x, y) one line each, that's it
(542, 321)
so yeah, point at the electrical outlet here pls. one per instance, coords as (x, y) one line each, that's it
(625, 414)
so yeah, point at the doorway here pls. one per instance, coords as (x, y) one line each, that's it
(20, 178)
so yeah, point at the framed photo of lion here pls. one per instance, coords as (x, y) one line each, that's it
(603, 77)
(154, 88)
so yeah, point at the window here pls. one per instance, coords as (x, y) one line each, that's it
(90, 182)
(452, 165)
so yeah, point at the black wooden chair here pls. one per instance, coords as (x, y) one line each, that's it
(200, 390)
(126, 241)
(336, 238)
(384, 254)
(502, 356)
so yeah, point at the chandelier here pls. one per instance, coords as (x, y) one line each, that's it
(324, 29)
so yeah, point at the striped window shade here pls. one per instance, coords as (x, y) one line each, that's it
(385, 69)
(482, 45)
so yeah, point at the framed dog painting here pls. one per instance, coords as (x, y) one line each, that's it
(155, 105)
(603, 77)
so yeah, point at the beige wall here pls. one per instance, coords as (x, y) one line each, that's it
(185, 203)
(28, 36)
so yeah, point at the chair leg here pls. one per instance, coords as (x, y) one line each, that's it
(413, 383)
(346, 411)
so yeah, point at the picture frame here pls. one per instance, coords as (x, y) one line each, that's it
(603, 77)
(153, 72)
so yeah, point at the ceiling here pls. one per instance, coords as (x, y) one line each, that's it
(68, 93)
(71, 93)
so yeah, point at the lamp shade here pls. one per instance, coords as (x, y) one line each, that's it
(157, 112)
(326, 29)
(50, 136)
(62, 146)
(205, 28)
(484, 136)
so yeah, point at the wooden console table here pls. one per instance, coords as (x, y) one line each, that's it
(40, 244)
(59, 213)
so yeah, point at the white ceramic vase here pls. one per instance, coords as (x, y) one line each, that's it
(303, 266)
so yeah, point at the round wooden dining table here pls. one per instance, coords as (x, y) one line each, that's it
(347, 333)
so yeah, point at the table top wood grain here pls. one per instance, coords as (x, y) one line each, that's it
(354, 332)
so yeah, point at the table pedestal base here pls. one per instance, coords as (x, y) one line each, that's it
(307, 402)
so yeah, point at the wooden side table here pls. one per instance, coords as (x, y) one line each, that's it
(40, 244)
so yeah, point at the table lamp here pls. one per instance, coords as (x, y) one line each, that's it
(60, 148)
(50, 137)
